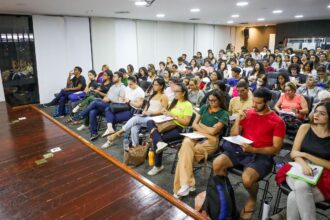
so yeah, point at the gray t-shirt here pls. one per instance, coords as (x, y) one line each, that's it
(116, 93)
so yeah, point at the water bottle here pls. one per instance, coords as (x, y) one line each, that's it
(151, 156)
(126, 142)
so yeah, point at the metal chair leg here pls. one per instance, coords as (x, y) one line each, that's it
(277, 201)
(264, 196)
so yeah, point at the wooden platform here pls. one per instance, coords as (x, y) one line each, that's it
(78, 182)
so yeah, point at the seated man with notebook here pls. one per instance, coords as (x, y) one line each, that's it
(266, 130)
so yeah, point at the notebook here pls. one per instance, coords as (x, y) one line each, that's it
(238, 139)
(297, 173)
(161, 118)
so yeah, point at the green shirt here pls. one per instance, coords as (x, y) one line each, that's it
(210, 119)
(182, 109)
(124, 81)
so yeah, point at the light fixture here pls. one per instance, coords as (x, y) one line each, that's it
(242, 3)
(160, 15)
(260, 19)
(328, 6)
(299, 16)
(277, 11)
(141, 3)
(230, 22)
(235, 16)
(195, 10)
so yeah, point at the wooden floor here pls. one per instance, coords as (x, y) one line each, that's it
(76, 183)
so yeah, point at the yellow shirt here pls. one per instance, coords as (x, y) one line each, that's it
(182, 109)
(236, 105)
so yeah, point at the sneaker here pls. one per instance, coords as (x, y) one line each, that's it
(76, 109)
(81, 127)
(185, 190)
(279, 216)
(176, 196)
(93, 137)
(108, 132)
(155, 170)
(106, 145)
(161, 146)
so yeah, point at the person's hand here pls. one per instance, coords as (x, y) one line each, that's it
(293, 109)
(247, 148)
(66, 89)
(71, 73)
(307, 170)
(241, 115)
(146, 113)
(165, 112)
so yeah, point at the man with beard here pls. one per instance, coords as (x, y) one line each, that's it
(267, 131)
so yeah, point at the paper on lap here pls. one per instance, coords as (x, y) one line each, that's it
(238, 139)
(161, 118)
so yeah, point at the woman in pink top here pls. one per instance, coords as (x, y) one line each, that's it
(292, 102)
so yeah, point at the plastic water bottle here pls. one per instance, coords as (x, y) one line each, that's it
(126, 142)
(151, 156)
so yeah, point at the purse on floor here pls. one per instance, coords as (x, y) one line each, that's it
(136, 156)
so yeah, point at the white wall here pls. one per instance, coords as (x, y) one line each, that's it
(146, 42)
(60, 44)
(204, 38)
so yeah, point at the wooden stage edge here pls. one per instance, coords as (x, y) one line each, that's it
(163, 193)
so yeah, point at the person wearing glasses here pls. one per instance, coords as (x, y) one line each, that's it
(181, 110)
(212, 118)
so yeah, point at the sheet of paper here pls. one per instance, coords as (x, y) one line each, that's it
(193, 135)
(286, 113)
(232, 117)
(238, 140)
(48, 155)
(22, 118)
(296, 172)
(161, 118)
(55, 149)
(41, 161)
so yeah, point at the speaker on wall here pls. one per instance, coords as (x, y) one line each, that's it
(246, 32)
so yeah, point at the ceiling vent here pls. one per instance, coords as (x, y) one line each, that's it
(194, 19)
(122, 12)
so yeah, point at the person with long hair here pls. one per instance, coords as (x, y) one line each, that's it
(257, 70)
(169, 62)
(181, 111)
(282, 78)
(278, 64)
(156, 102)
(311, 146)
(210, 121)
(142, 74)
(195, 94)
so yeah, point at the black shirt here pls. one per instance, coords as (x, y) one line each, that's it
(93, 84)
(79, 81)
(314, 145)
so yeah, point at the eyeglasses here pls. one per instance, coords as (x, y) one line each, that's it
(212, 100)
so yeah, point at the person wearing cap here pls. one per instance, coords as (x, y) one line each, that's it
(310, 89)
(188, 72)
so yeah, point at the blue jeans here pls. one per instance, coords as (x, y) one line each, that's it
(171, 135)
(93, 110)
(60, 100)
(117, 117)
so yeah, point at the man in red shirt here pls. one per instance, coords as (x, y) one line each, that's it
(267, 131)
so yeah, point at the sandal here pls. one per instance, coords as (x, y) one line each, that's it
(243, 212)
(114, 136)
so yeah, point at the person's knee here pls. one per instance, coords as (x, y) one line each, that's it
(219, 165)
(92, 114)
(249, 179)
(301, 187)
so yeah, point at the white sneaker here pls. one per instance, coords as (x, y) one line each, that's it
(81, 127)
(76, 109)
(161, 146)
(108, 132)
(106, 145)
(185, 189)
(176, 196)
(155, 170)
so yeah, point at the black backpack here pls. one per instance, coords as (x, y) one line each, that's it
(220, 201)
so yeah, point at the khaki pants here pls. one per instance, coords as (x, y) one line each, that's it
(191, 151)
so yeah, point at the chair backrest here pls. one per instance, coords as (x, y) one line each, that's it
(275, 97)
(309, 100)
(272, 79)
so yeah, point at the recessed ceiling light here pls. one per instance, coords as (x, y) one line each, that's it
(235, 16)
(230, 22)
(260, 19)
(160, 15)
(140, 3)
(195, 10)
(299, 16)
(242, 3)
(277, 11)
(328, 6)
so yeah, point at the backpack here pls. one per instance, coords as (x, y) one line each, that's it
(220, 201)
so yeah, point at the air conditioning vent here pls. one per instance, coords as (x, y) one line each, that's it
(122, 12)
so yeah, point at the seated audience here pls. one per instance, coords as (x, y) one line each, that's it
(169, 91)
(261, 82)
(235, 72)
(292, 102)
(207, 67)
(142, 74)
(310, 89)
(156, 103)
(267, 67)
(295, 76)
(181, 111)
(99, 76)
(244, 101)
(76, 83)
(324, 79)
(210, 121)
(258, 70)
(267, 131)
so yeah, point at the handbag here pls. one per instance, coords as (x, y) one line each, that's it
(165, 126)
(119, 107)
(136, 155)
